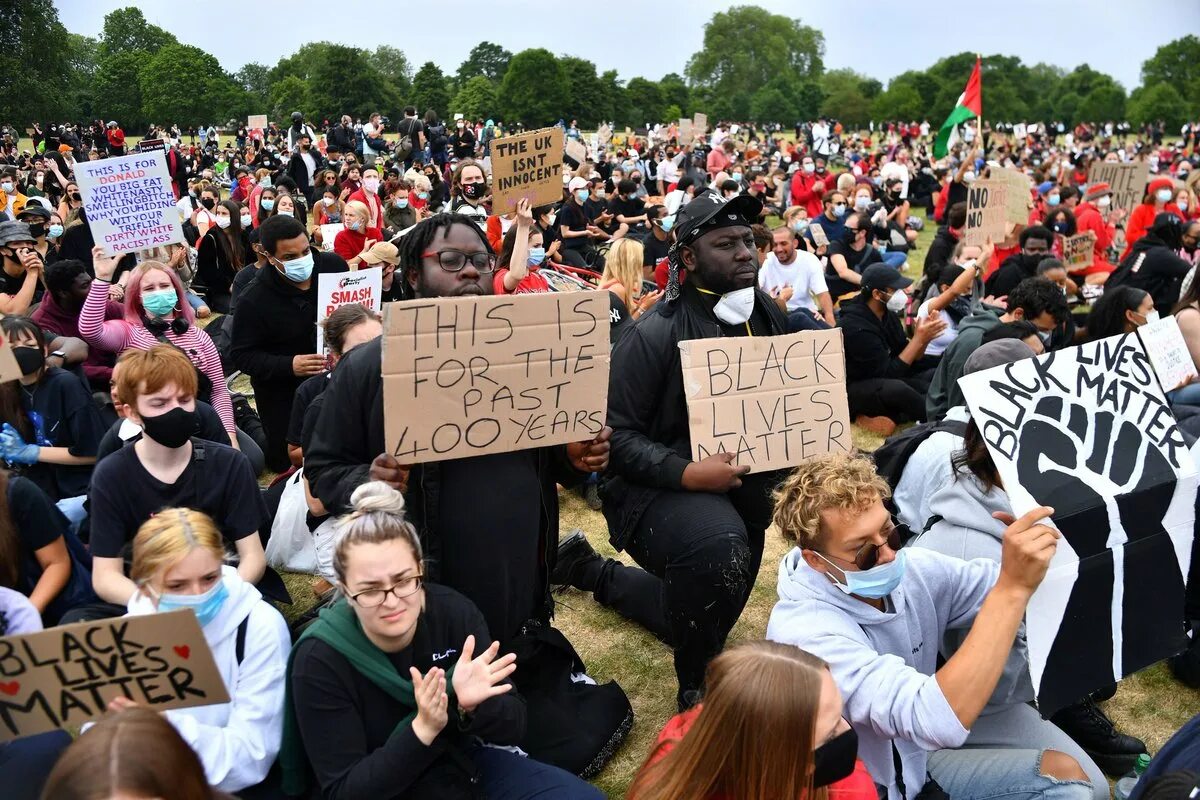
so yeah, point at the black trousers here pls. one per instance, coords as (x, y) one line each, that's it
(273, 401)
(900, 399)
(700, 555)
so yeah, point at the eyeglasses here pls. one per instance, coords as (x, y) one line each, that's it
(373, 598)
(455, 260)
(868, 555)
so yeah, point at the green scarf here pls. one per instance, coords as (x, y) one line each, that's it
(339, 628)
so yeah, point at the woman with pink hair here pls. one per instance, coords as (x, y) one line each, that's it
(156, 311)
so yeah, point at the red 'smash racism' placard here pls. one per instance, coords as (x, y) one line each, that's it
(63, 677)
(477, 375)
(129, 201)
(774, 401)
(337, 289)
(527, 166)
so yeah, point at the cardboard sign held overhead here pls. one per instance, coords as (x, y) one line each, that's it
(575, 150)
(477, 375)
(129, 201)
(337, 289)
(605, 134)
(257, 121)
(63, 677)
(1019, 130)
(818, 235)
(1079, 250)
(774, 401)
(987, 209)
(527, 166)
(1088, 432)
(700, 123)
(1168, 353)
(1018, 194)
(686, 132)
(1128, 181)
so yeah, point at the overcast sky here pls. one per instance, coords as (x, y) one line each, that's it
(653, 37)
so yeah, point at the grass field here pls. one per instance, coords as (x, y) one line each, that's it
(1150, 705)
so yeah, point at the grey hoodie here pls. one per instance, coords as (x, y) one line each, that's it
(968, 530)
(884, 661)
(943, 389)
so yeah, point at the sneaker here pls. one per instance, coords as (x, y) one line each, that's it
(880, 426)
(1114, 752)
(577, 564)
(591, 496)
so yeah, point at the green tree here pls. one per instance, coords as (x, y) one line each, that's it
(1177, 64)
(587, 99)
(646, 99)
(117, 86)
(255, 80)
(534, 89)
(486, 59)
(126, 30)
(1160, 101)
(288, 95)
(675, 91)
(1048, 80)
(672, 113)
(616, 100)
(846, 96)
(1105, 102)
(83, 54)
(430, 89)
(301, 63)
(899, 102)
(476, 99)
(34, 62)
(769, 104)
(184, 84)
(393, 65)
(343, 81)
(734, 72)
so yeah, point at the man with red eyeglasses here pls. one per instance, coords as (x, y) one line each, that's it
(878, 615)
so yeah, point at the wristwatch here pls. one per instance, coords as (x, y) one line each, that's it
(59, 354)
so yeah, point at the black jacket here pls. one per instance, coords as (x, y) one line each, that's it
(342, 137)
(872, 344)
(938, 255)
(297, 170)
(349, 434)
(1154, 267)
(277, 321)
(1011, 271)
(647, 409)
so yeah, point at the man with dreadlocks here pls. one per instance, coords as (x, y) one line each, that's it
(489, 524)
(695, 526)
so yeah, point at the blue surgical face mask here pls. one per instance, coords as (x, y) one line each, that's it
(737, 176)
(536, 256)
(666, 223)
(422, 195)
(1053, 200)
(299, 269)
(205, 606)
(160, 302)
(402, 203)
(581, 196)
(55, 231)
(1163, 195)
(874, 583)
(268, 203)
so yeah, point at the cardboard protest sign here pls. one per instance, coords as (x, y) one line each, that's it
(605, 135)
(527, 166)
(686, 131)
(700, 123)
(329, 232)
(987, 209)
(818, 235)
(9, 371)
(1168, 352)
(1128, 181)
(337, 289)
(477, 375)
(257, 121)
(129, 201)
(774, 401)
(62, 677)
(1019, 130)
(1078, 250)
(1088, 432)
(1018, 191)
(575, 150)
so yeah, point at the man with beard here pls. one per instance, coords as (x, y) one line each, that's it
(696, 527)
(1035, 245)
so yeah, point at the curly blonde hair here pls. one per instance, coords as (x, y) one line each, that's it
(831, 481)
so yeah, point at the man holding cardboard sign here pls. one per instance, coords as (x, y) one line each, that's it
(695, 526)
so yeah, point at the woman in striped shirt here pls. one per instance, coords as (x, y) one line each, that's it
(155, 311)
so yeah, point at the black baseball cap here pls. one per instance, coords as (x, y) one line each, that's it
(709, 210)
(881, 276)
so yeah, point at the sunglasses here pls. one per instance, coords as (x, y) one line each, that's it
(868, 555)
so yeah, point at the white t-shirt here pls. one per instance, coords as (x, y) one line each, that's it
(938, 345)
(804, 275)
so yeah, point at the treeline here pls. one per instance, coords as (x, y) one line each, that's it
(753, 65)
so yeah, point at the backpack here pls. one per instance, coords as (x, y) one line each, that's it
(893, 455)
(404, 147)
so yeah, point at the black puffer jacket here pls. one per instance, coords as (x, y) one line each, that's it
(1154, 267)
(647, 410)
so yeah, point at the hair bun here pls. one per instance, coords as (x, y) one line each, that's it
(377, 496)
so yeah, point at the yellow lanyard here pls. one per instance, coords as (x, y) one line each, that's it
(749, 331)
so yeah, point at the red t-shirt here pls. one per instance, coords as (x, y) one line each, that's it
(531, 283)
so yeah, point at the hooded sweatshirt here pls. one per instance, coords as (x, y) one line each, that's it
(238, 741)
(968, 530)
(943, 389)
(928, 470)
(884, 661)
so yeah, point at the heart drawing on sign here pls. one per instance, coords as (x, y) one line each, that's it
(10, 688)
(182, 650)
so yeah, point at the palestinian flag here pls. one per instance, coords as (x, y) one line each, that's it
(969, 106)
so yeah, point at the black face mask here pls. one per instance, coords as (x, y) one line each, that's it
(835, 759)
(29, 359)
(38, 230)
(208, 203)
(173, 428)
(474, 191)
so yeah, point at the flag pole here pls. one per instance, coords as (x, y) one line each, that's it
(979, 122)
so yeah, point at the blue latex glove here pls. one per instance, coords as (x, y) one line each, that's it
(13, 448)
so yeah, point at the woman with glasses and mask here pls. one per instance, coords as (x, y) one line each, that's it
(397, 689)
(179, 563)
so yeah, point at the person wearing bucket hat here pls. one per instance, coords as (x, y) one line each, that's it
(20, 268)
(1158, 199)
(1097, 215)
(696, 527)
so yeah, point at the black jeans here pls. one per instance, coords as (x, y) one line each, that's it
(900, 399)
(700, 554)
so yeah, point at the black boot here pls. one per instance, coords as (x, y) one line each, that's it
(577, 563)
(1186, 666)
(1113, 751)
